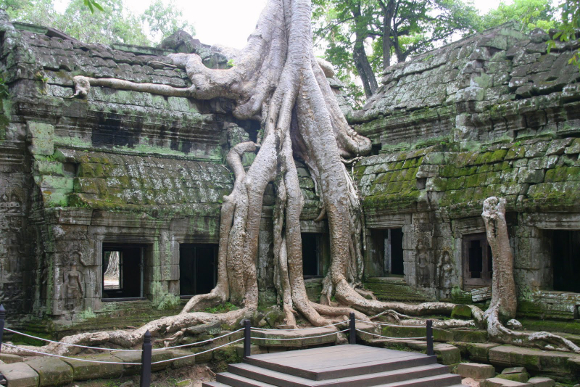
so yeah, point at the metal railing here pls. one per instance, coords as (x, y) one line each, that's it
(147, 346)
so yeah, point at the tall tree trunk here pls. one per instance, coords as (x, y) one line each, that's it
(388, 7)
(359, 55)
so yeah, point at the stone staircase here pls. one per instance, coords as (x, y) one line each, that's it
(342, 365)
(393, 289)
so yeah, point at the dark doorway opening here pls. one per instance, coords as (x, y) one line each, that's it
(311, 254)
(566, 260)
(388, 245)
(197, 268)
(122, 266)
(477, 261)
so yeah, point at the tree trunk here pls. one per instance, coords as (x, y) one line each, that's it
(503, 287)
(359, 55)
(388, 9)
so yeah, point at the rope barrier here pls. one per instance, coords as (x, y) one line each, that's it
(67, 357)
(122, 363)
(198, 353)
(298, 338)
(199, 342)
(71, 344)
(395, 338)
(123, 350)
(298, 329)
(389, 325)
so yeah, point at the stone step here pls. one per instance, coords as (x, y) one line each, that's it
(233, 380)
(213, 384)
(393, 289)
(329, 369)
(364, 380)
(444, 380)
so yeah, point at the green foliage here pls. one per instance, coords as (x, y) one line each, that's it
(92, 4)
(568, 27)
(379, 32)
(531, 13)
(165, 19)
(3, 88)
(113, 23)
(221, 308)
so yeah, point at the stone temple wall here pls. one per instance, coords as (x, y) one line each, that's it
(116, 168)
(494, 114)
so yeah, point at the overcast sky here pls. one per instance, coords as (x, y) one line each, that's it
(229, 22)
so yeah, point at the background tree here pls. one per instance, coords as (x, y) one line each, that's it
(163, 18)
(105, 21)
(530, 13)
(362, 37)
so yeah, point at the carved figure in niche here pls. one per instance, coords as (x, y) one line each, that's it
(14, 204)
(422, 259)
(73, 287)
(444, 272)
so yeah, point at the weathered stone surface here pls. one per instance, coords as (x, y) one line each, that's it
(538, 381)
(20, 375)
(531, 359)
(9, 358)
(51, 371)
(475, 370)
(103, 367)
(498, 382)
(517, 374)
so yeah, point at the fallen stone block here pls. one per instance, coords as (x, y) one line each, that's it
(534, 359)
(476, 370)
(517, 374)
(102, 367)
(8, 358)
(538, 381)
(498, 382)
(52, 371)
(477, 352)
(19, 375)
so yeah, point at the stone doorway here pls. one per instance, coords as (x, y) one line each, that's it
(477, 261)
(312, 250)
(388, 247)
(197, 268)
(566, 260)
(123, 271)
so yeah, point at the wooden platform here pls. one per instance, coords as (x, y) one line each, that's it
(341, 365)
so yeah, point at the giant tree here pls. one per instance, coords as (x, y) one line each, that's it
(277, 81)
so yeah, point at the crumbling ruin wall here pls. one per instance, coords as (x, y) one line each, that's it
(117, 168)
(494, 114)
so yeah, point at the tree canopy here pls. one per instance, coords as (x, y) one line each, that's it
(105, 21)
(363, 37)
(531, 13)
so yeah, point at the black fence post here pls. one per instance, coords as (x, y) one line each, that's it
(2, 318)
(352, 331)
(247, 338)
(146, 360)
(430, 351)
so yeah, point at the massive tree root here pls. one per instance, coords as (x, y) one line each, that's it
(503, 304)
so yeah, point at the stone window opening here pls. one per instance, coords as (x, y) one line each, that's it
(122, 271)
(197, 268)
(566, 260)
(312, 253)
(477, 261)
(388, 246)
